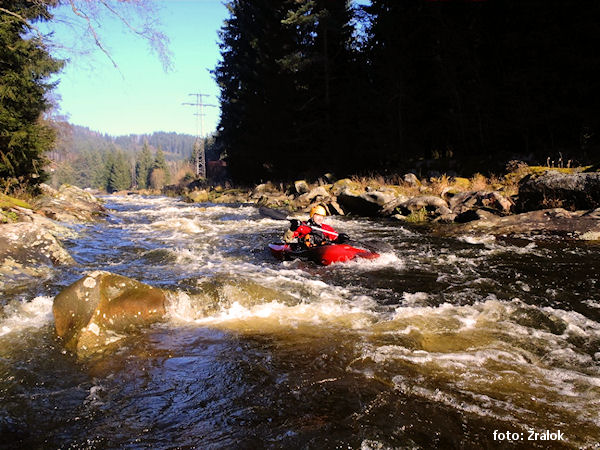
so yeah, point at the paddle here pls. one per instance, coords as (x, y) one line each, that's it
(281, 215)
(273, 213)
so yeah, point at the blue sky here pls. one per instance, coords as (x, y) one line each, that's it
(140, 97)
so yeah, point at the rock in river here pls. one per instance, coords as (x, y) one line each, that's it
(574, 191)
(90, 313)
(29, 249)
(558, 222)
(69, 204)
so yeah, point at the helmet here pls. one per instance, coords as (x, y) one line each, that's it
(318, 209)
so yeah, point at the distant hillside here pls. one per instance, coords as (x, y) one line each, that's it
(87, 158)
(75, 140)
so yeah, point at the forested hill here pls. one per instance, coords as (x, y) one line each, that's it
(76, 140)
(91, 159)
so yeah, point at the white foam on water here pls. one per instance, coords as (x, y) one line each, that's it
(21, 316)
(179, 224)
(478, 240)
(302, 301)
(493, 247)
(386, 259)
(529, 249)
(415, 299)
(506, 359)
(291, 316)
(592, 303)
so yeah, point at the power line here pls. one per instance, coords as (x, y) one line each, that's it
(200, 157)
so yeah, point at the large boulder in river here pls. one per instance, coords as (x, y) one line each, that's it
(69, 204)
(90, 313)
(551, 222)
(571, 191)
(493, 201)
(371, 202)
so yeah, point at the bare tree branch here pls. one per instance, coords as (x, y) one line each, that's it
(156, 39)
(90, 12)
(92, 30)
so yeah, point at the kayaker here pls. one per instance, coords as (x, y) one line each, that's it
(314, 232)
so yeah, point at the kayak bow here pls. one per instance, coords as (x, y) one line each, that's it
(323, 254)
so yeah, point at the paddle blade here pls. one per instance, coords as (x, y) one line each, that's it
(272, 213)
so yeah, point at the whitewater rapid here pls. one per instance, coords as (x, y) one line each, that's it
(489, 332)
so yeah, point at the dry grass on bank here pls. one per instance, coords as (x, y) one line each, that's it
(508, 184)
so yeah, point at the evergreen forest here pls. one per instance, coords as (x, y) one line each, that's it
(348, 87)
(90, 159)
(316, 86)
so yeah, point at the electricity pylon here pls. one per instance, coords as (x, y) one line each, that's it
(200, 160)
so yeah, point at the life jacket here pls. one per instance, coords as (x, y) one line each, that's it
(311, 237)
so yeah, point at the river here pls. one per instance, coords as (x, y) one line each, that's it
(442, 342)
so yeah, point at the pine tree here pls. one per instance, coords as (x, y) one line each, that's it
(143, 166)
(284, 79)
(119, 177)
(160, 164)
(257, 98)
(24, 73)
(322, 73)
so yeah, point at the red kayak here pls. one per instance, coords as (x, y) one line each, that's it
(323, 254)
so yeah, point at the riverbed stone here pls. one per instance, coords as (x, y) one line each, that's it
(92, 312)
(229, 196)
(301, 187)
(550, 222)
(29, 249)
(197, 196)
(572, 191)
(346, 185)
(265, 189)
(411, 180)
(462, 202)
(369, 203)
(429, 202)
(316, 195)
(69, 204)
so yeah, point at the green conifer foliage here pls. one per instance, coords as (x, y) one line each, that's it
(284, 90)
(119, 177)
(143, 166)
(161, 164)
(25, 68)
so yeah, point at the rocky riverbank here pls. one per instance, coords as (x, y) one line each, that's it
(526, 201)
(32, 234)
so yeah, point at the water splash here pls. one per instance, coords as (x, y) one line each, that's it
(21, 316)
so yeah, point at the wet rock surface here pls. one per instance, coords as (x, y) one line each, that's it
(69, 204)
(579, 224)
(31, 245)
(90, 313)
(29, 249)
